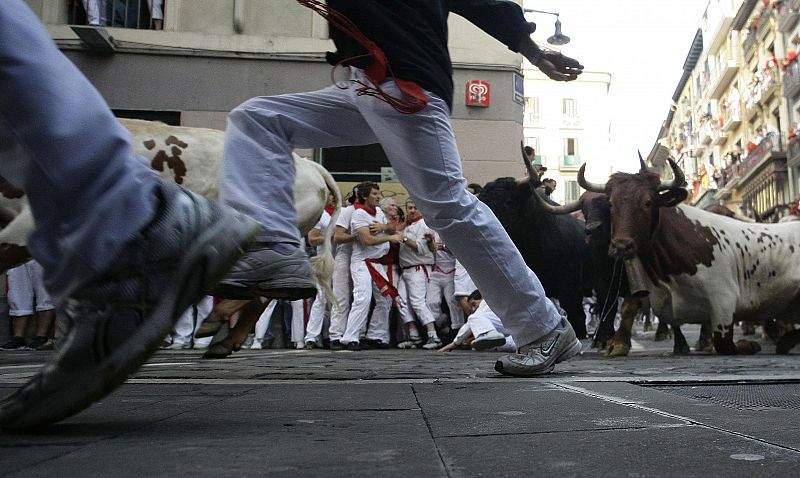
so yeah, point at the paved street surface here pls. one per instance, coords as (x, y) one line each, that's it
(419, 413)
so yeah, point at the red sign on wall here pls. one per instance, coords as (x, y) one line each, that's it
(478, 93)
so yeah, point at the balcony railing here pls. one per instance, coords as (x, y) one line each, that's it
(791, 79)
(732, 116)
(762, 86)
(770, 145)
(570, 161)
(763, 22)
(749, 43)
(793, 149)
(571, 121)
(141, 14)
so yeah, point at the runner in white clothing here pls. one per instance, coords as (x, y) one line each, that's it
(317, 315)
(416, 262)
(369, 275)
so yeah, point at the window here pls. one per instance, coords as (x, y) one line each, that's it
(142, 14)
(531, 110)
(571, 191)
(571, 158)
(570, 146)
(355, 163)
(532, 141)
(570, 108)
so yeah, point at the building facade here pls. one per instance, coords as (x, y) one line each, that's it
(567, 124)
(211, 55)
(733, 120)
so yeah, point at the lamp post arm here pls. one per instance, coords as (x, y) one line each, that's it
(530, 10)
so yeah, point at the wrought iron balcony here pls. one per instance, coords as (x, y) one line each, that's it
(787, 17)
(570, 161)
(791, 79)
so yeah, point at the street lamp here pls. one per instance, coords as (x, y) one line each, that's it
(557, 38)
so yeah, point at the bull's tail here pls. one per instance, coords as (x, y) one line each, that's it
(323, 264)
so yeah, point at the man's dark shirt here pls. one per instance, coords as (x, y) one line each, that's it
(413, 35)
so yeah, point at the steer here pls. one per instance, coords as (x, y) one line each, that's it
(191, 157)
(702, 267)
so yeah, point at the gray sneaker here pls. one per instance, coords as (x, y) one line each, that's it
(539, 357)
(118, 320)
(262, 272)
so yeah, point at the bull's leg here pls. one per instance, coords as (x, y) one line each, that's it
(662, 332)
(575, 315)
(787, 342)
(680, 347)
(723, 339)
(621, 343)
(704, 341)
(248, 316)
(605, 329)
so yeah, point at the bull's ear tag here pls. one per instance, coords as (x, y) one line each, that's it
(672, 197)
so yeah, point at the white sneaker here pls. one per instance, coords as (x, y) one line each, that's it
(407, 344)
(433, 343)
(488, 340)
(256, 345)
(177, 346)
(539, 357)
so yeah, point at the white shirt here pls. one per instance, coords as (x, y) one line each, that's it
(361, 218)
(445, 261)
(321, 225)
(344, 221)
(422, 254)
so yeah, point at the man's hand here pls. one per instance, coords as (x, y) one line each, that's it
(376, 228)
(557, 66)
(552, 63)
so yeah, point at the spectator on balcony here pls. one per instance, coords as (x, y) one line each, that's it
(95, 12)
(156, 9)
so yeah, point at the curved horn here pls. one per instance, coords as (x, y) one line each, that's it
(678, 181)
(593, 187)
(553, 209)
(642, 164)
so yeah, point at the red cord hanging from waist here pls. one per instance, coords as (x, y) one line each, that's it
(414, 98)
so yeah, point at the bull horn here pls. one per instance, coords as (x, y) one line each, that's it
(593, 187)
(642, 165)
(678, 180)
(553, 209)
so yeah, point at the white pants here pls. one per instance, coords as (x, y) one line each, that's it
(156, 9)
(26, 290)
(316, 317)
(365, 289)
(258, 178)
(443, 285)
(298, 321)
(342, 288)
(263, 323)
(416, 289)
(95, 11)
(191, 320)
(484, 320)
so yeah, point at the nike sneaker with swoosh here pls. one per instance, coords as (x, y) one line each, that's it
(539, 357)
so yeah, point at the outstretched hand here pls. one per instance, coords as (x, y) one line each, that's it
(557, 66)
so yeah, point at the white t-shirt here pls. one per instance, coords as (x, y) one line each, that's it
(362, 218)
(321, 225)
(422, 255)
(344, 221)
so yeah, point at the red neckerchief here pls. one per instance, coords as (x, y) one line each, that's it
(370, 210)
(329, 208)
(419, 218)
(414, 98)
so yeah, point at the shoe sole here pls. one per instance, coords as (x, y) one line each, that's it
(567, 354)
(290, 292)
(203, 264)
(488, 343)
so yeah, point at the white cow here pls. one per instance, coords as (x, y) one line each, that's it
(191, 157)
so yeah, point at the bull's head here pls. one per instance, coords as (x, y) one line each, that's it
(635, 201)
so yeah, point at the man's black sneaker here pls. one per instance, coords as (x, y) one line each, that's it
(118, 319)
(15, 343)
(37, 343)
(373, 344)
(353, 346)
(336, 345)
(263, 272)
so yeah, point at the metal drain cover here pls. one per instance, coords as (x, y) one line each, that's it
(750, 396)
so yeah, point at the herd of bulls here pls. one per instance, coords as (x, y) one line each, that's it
(637, 241)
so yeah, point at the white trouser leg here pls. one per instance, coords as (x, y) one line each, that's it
(449, 293)
(485, 320)
(359, 309)
(378, 328)
(416, 285)
(264, 320)
(316, 317)
(433, 296)
(298, 321)
(342, 287)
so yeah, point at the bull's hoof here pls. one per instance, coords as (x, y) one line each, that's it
(217, 351)
(747, 347)
(703, 346)
(619, 350)
(682, 349)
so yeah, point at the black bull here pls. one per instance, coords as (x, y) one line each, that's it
(552, 246)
